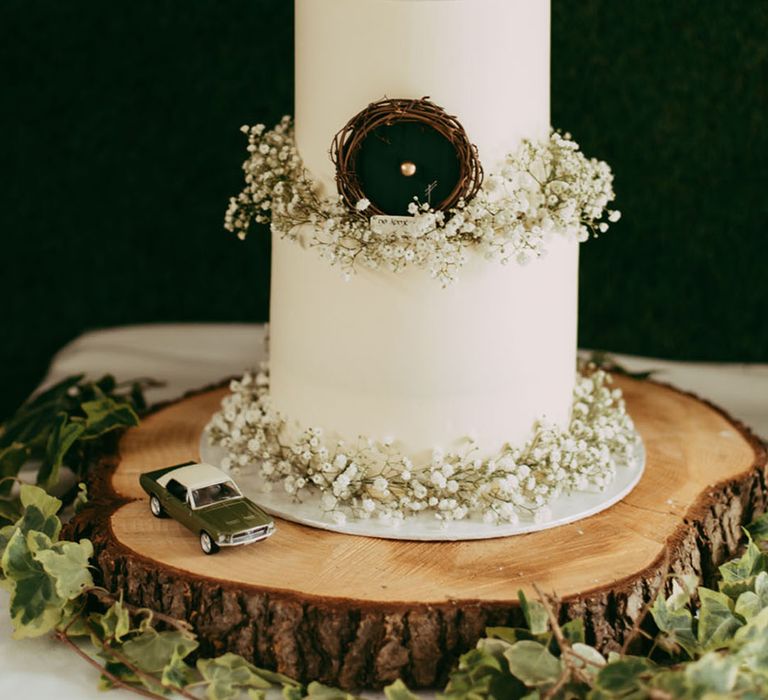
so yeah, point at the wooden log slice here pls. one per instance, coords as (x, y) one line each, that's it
(360, 612)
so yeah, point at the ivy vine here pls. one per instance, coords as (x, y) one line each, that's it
(700, 642)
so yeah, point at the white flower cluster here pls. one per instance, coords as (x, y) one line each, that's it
(371, 478)
(546, 189)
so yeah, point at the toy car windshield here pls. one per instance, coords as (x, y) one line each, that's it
(215, 493)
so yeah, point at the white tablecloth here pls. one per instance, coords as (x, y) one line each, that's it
(191, 356)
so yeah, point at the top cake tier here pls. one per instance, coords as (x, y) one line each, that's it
(485, 61)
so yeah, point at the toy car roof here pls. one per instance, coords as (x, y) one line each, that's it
(195, 476)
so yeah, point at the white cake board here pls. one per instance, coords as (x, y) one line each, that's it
(424, 526)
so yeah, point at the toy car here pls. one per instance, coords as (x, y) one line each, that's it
(205, 500)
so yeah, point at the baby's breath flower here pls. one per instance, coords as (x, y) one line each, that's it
(545, 187)
(373, 480)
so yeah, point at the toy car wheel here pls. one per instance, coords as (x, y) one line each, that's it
(155, 507)
(207, 544)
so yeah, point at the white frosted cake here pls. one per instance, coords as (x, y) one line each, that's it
(423, 338)
(395, 354)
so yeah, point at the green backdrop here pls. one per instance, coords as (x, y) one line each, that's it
(120, 146)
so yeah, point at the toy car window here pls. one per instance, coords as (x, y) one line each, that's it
(215, 493)
(177, 490)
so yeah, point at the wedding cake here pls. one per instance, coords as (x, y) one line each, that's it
(425, 239)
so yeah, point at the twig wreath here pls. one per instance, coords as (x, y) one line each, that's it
(347, 143)
(545, 189)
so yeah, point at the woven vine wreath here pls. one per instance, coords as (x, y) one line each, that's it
(438, 128)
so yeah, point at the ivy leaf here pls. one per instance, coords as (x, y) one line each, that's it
(495, 648)
(6, 533)
(65, 431)
(747, 605)
(34, 520)
(483, 673)
(751, 642)
(55, 394)
(73, 619)
(35, 496)
(12, 459)
(676, 623)
(587, 658)
(510, 635)
(399, 691)
(739, 574)
(67, 564)
(277, 678)
(533, 663)
(105, 414)
(758, 529)
(750, 603)
(81, 500)
(162, 653)
(712, 673)
(620, 678)
(177, 672)
(672, 684)
(573, 631)
(39, 514)
(682, 590)
(120, 671)
(488, 655)
(31, 424)
(113, 624)
(227, 674)
(535, 614)
(35, 606)
(717, 623)
(10, 511)
(761, 588)
(318, 691)
(289, 693)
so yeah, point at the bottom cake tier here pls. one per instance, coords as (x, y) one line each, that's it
(596, 459)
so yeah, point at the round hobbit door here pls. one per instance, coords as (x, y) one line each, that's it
(396, 152)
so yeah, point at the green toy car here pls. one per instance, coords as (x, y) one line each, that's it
(205, 500)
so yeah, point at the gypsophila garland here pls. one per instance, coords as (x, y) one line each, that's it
(545, 189)
(368, 478)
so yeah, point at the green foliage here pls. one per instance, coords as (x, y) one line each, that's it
(573, 631)
(709, 643)
(717, 623)
(532, 663)
(399, 691)
(228, 674)
(58, 427)
(675, 623)
(42, 577)
(81, 499)
(535, 614)
(621, 677)
(758, 529)
(738, 575)
(114, 624)
(12, 459)
(162, 653)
